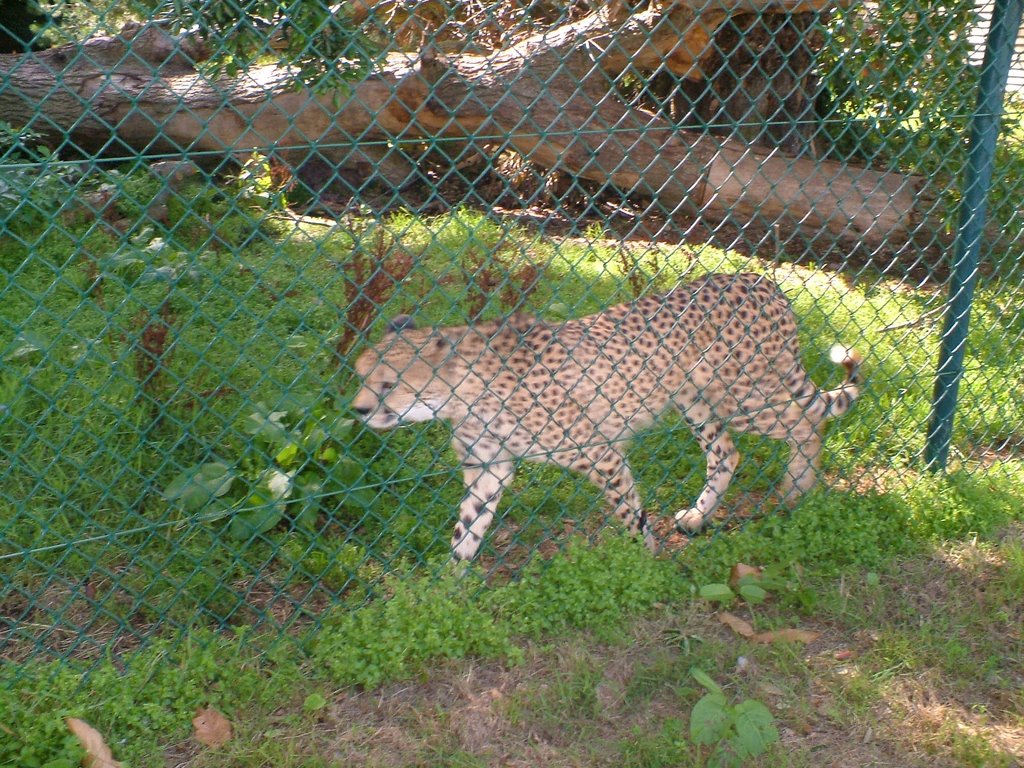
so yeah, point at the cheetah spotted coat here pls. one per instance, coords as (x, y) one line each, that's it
(722, 349)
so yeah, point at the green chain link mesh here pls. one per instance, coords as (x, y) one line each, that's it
(178, 325)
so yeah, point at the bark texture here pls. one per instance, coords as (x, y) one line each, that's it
(550, 97)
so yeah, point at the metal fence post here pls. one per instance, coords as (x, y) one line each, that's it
(1006, 20)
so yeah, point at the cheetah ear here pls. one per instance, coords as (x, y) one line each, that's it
(401, 323)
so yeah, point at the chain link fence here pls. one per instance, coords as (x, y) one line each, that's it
(198, 240)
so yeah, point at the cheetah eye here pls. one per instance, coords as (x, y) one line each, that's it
(387, 386)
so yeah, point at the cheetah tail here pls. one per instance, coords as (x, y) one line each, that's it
(838, 401)
(850, 359)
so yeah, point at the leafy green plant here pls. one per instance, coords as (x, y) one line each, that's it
(295, 464)
(752, 585)
(259, 181)
(735, 732)
(750, 592)
(325, 44)
(861, 530)
(32, 184)
(899, 80)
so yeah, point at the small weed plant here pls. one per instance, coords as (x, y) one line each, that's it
(734, 733)
(29, 185)
(755, 585)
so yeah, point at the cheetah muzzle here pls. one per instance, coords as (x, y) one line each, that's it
(722, 349)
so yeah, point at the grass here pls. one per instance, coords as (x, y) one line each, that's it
(916, 663)
(133, 351)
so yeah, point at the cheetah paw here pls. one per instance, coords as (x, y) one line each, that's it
(465, 544)
(689, 521)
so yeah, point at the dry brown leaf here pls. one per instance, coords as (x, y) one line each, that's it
(843, 655)
(210, 727)
(97, 753)
(740, 570)
(787, 635)
(736, 624)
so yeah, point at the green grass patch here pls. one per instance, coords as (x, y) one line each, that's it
(601, 590)
(421, 622)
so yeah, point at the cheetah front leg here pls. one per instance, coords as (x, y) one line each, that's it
(722, 458)
(484, 486)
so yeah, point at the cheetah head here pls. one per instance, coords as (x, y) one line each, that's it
(403, 376)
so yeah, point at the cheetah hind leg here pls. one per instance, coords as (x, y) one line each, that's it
(610, 472)
(722, 458)
(802, 425)
(805, 446)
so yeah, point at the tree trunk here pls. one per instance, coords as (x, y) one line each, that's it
(761, 81)
(547, 97)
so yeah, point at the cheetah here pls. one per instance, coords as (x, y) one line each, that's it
(722, 349)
